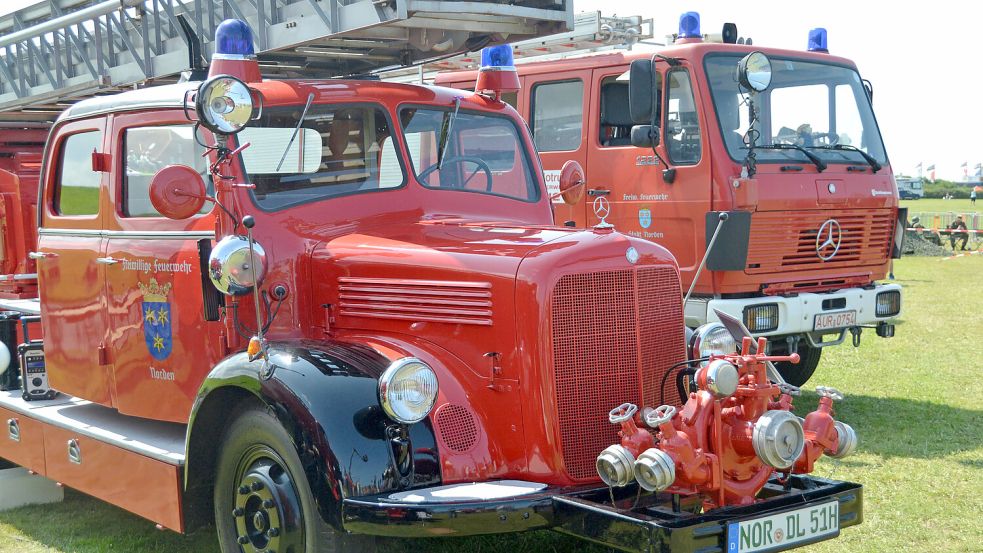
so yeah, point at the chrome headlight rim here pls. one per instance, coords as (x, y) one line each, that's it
(230, 265)
(395, 370)
(227, 114)
(702, 334)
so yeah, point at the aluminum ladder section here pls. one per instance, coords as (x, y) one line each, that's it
(592, 32)
(59, 51)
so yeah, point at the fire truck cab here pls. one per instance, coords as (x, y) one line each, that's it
(807, 188)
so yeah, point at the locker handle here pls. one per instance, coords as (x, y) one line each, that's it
(74, 452)
(13, 430)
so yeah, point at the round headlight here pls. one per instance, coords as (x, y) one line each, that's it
(230, 266)
(224, 104)
(711, 339)
(408, 390)
(754, 72)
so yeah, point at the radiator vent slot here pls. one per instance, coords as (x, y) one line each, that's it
(436, 301)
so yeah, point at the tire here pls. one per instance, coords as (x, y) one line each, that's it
(799, 373)
(263, 501)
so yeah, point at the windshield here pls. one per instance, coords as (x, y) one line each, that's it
(818, 106)
(336, 150)
(468, 151)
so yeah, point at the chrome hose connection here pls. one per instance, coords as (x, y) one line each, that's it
(655, 470)
(615, 466)
(847, 442)
(778, 438)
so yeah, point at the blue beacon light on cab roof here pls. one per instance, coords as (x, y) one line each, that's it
(817, 40)
(234, 38)
(497, 56)
(689, 25)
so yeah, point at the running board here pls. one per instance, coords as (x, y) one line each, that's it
(98, 451)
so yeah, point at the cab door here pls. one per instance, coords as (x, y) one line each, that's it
(69, 255)
(162, 344)
(554, 107)
(643, 204)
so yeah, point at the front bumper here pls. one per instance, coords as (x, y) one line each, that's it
(797, 314)
(647, 525)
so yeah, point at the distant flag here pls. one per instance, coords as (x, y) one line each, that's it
(979, 170)
(965, 167)
(931, 172)
(919, 167)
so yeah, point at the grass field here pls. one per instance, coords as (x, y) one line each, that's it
(932, 205)
(914, 401)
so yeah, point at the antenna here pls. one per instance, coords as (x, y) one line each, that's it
(196, 62)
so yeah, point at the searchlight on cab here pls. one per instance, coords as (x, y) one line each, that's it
(497, 74)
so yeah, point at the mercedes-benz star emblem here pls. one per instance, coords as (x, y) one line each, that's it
(602, 208)
(828, 239)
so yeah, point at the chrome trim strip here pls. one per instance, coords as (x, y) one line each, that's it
(133, 234)
(104, 425)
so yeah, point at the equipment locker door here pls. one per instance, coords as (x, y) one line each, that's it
(69, 258)
(161, 341)
(643, 204)
(554, 107)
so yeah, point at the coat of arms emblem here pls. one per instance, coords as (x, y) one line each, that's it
(156, 315)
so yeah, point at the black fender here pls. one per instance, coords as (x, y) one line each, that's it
(325, 394)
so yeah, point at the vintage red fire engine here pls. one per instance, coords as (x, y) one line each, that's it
(319, 311)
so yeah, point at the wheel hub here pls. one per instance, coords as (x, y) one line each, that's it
(267, 510)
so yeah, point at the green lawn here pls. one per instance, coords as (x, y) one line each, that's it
(913, 400)
(932, 205)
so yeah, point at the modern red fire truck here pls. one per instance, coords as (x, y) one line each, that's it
(318, 311)
(809, 193)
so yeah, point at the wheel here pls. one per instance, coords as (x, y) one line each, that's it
(480, 165)
(799, 373)
(263, 502)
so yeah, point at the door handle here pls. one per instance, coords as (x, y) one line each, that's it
(106, 260)
(598, 192)
(40, 255)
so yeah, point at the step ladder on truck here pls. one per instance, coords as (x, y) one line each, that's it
(813, 220)
(315, 311)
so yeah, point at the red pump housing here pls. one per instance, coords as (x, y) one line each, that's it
(732, 435)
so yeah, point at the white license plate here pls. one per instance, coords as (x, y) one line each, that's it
(784, 530)
(840, 319)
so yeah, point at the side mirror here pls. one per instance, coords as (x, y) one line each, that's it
(644, 136)
(641, 96)
(572, 181)
(177, 192)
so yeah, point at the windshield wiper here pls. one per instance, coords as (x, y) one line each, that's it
(445, 132)
(820, 164)
(874, 164)
(310, 98)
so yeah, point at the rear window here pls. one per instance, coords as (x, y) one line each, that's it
(150, 149)
(77, 188)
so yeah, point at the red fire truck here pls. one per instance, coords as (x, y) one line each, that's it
(811, 203)
(318, 311)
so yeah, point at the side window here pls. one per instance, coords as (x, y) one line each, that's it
(615, 125)
(150, 149)
(77, 188)
(682, 127)
(557, 115)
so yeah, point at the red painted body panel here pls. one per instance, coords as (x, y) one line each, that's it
(141, 485)
(20, 169)
(678, 209)
(28, 451)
